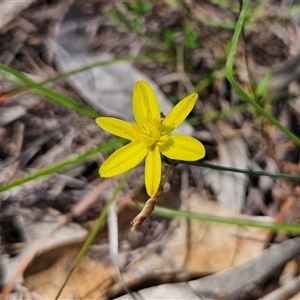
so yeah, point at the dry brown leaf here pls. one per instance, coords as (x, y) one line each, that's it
(90, 280)
(206, 249)
(36, 226)
(215, 247)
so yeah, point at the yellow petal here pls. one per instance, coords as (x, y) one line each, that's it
(123, 159)
(177, 115)
(144, 103)
(117, 127)
(182, 147)
(152, 171)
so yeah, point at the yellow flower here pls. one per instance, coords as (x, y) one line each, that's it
(149, 136)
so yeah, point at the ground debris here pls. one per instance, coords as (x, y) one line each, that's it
(189, 37)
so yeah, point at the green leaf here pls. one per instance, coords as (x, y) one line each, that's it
(68, 163)
(238, 89)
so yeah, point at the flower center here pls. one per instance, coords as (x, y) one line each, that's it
(149, 133)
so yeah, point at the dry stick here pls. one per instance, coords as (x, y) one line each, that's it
(150, 204)
(76, 210)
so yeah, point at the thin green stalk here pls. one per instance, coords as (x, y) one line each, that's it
(238, 89)
(113, 143)
(155, 57)
(172, 213)
(213, 116)
(244, 171)
(94, 232)
(70, 162)
(51, 94)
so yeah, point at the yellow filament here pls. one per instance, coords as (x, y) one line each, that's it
(149, 133)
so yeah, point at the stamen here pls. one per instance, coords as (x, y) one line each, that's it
(149, 133)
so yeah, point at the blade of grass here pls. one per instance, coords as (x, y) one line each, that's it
(213, 116)
(113, 143)
(94, 232)
(51, 94)
(171, 213)
(152, 57)
(238, 89)
(70, 162)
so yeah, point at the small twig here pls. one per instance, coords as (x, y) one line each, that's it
(150, 204)
(15, 148)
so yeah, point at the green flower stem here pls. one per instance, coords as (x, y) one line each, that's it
(170, 169)
(113, 143)
(244, 171)
(238, 89)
